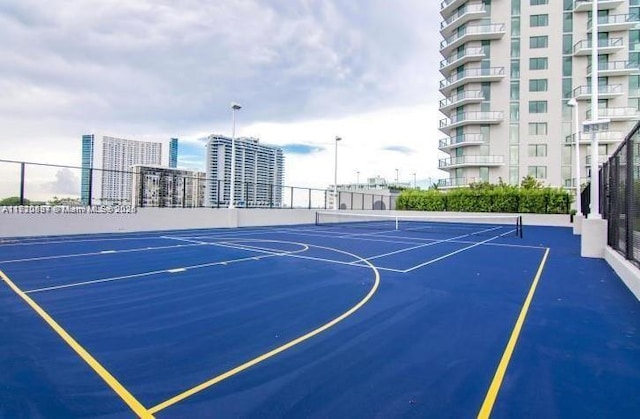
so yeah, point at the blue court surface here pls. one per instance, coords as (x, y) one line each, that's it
(315, 321)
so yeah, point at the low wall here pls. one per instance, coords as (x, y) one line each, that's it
(150, 219)
(147, 219)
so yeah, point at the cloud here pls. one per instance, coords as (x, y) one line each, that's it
(399, 149)
(301, 149)
(67, 183)
(171, 68)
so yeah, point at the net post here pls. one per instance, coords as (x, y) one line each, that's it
(519, 223)
(397, 222)
(317, 220)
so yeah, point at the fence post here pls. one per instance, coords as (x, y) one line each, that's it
(22, 183)
(630, 192)
(291, 205)
(89, 195)
(309, 198)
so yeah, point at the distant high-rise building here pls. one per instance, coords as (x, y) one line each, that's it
(509, 70)
(106, 166)
(157, 186)
(259, 172)
(173, 152)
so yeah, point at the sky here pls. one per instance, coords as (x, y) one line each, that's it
(305, 71)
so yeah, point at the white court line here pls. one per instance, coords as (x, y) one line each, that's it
(101, 252)
(455, 252)
(428, 244)
(172, 270)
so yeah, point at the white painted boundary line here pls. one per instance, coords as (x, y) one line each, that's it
(98, 253)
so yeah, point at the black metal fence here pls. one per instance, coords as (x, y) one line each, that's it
(25, 183)
(620, 196)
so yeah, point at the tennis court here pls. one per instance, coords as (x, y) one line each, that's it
(351, 317)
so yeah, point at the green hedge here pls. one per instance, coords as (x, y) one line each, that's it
(495, 199)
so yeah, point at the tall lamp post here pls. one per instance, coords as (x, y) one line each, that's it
(397, 177)
(415, 184)
(358, 179)
(234, 107)
(335, 176)
(576, 114)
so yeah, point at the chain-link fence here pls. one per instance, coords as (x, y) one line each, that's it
(620, 196)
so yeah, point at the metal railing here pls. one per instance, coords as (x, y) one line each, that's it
(28, 183)
(620, 196)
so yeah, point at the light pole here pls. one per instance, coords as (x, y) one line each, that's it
(415, 184)
(576, 114)
(335, 177)
(396, 177)
(358, 179)
(234, 107)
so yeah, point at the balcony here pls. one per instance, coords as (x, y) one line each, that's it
(472, 33)
(616, 114)
(459, 99)
(616, 68)
(470, 161)
(448, 6)
(605, 46)
(472, 75)
(587, 5)
(462, 16)
(458, 58)
(460, 141)
(604, 92)
(614, 23)
(457, 182)
(470, 118)
(604, 137)
(571, 183)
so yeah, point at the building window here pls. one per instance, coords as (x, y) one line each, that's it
(537, 150)
(538, 20)
(515, 69)
(537, 106)
(538, 85)
(537, 128)
(538, 42)
(537, 2)
(537, 172)
(538, 63)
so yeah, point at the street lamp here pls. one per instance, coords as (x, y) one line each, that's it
(234, 107)
(396, 177)
(576, 114)
(335, 177)
(358, 179)
(415, 184)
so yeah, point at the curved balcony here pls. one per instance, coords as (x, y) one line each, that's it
(457, 182)
(459, 58)
(616, 68)
(605, 46)
(604, 137)
(604, 92)
(587, 5)
(470, 161)
(616, 114)
(614, 23)
(464, 140)
(472, 75)
(472, 33)
(459, 99)
(448, 6)
(461, 16)
(470, 118)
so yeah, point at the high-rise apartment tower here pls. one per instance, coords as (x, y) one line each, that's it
(510, 67)
(259, 172)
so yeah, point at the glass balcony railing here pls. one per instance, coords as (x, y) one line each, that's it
(471, 161)
(461, 140)
(463, 56)
(604, 46)
(472, 118)
(480, 31)
(616, 67)
(457, 182)
(472, 74)
(462, 97)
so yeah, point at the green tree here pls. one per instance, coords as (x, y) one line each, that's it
(13, 200)
(529, 182)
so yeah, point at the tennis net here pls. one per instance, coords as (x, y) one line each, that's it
(493, 225)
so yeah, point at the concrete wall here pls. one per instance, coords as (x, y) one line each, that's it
(149, 219)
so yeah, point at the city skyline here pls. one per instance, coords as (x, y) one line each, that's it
(304, 74)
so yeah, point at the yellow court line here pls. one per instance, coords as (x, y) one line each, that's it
(494, 388)
(127, 397)
(276, 351)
